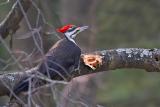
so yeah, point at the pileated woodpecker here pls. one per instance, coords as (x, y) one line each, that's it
(60, 60)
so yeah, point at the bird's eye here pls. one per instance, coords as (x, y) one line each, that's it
(72, 28)
(78, 30)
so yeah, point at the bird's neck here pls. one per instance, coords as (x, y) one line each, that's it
(68, 37)
(71, 39)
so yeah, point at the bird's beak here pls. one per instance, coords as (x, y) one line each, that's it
(82, 28)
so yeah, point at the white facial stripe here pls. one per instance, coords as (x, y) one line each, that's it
(76, 31)
(70, 34)
(73, 33)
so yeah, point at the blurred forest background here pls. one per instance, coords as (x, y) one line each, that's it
(112, 24)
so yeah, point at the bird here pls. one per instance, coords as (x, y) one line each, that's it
(62, 58)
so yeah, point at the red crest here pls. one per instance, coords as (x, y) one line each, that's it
(64, 28)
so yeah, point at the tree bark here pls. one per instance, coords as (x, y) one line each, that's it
(11, 23)
(147, 59)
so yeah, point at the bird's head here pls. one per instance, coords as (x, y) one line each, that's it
(71, 31)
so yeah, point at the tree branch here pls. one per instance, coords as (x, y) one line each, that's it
(11, 23)
(147, 59)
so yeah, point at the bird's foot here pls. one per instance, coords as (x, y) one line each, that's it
(77, 69)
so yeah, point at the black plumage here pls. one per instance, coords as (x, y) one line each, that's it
(59, 62)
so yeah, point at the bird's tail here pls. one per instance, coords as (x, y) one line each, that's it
(26, 83)
(22, 86)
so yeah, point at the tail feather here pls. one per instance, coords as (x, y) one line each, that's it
(22, 86)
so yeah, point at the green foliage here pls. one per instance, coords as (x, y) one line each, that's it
(129, 23)
(4, 8)
(123, 87)
(120, 23)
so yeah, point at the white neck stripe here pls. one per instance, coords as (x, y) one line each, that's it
(72, 40)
